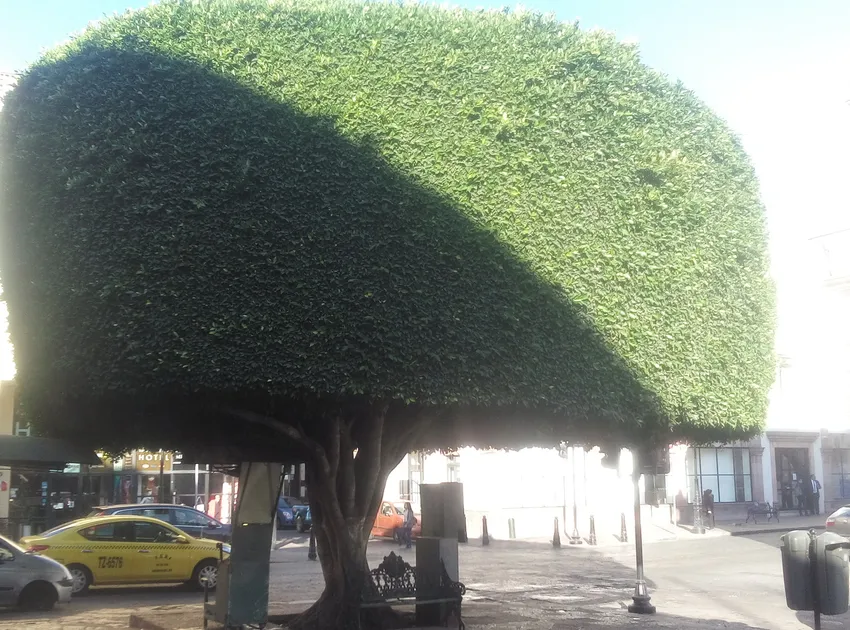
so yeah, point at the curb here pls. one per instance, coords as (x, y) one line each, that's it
(774, 530)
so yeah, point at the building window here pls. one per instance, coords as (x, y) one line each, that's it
(724, 471)
(840, 472)
(452, 468)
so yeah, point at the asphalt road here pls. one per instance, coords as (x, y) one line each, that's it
(710, 583)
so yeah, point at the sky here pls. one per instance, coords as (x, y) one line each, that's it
(777, 71)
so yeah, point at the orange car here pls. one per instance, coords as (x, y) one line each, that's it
(390, 519)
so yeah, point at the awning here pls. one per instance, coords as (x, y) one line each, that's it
(36, 452)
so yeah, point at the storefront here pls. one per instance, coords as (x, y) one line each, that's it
(43, 497)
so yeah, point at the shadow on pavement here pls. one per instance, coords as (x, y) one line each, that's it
(808, 619)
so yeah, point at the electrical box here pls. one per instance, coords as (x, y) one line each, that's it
(833, 566)
(443, 514)
(797, 570)
(242, 593)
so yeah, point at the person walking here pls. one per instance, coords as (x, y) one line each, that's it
(800, 496)
(708, 506)
(815, 496)
(409, 522)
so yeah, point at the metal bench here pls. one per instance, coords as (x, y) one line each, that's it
(395, 583)
(762, 509)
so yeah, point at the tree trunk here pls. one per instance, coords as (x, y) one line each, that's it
(343, 559)
(348, 464)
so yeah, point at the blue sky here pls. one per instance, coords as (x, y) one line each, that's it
(778, 71)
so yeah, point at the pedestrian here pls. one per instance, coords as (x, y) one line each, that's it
(800, 496)
(708, 506)
(409, 522)
(815, 495)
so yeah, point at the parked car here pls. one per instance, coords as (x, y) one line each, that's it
(287, 509)
(390, 519)
(128, 550)
(839, 521)
(29, 581)
(191, 521)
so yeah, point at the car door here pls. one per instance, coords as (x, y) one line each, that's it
(9, 577)
(385, 521)
(159, 553)
(108, 552)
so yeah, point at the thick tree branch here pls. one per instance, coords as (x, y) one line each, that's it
(367, 465)
(334, 445)
(345, 478)
(323, 467)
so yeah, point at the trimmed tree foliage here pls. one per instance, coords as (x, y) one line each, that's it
(325, 226)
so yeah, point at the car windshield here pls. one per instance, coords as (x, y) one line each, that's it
(293, 501)
(96, 512)
(57, 530)
(5, 542)
(842, 512)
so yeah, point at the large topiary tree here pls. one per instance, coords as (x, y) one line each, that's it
(341, 231)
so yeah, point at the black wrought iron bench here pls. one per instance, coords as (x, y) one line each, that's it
(762, 509)
(395, 583)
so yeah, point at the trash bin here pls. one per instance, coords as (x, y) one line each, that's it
(797, 570)
(833, 566)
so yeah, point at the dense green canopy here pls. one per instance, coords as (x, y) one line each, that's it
(330, 200)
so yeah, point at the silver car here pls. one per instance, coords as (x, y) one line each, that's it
(29, 581)
(839, 521)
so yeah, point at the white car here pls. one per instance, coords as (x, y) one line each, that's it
(839, 521)
(30, 581)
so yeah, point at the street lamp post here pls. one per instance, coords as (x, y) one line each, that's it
(575, 539)
(641, 603)
(699, 528)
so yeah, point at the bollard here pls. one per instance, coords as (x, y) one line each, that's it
(511, 528)
(624, 533)
(311, 553)
(556, 539)
(591, 540)
(206, 601)
(485, 535)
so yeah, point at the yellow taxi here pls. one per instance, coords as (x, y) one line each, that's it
(129, 550)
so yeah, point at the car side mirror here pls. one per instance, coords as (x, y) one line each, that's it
(181, 540)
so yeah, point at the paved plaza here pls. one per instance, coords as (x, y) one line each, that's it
(732, 582)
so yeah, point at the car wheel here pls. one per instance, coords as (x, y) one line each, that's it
(82, 579)
(205, 574)
(39, 596)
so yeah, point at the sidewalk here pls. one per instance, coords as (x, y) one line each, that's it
(785, 524)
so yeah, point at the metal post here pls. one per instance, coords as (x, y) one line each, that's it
(699, 528)
(591, 540)
(485, 535)
(161, 497)
(575, 538)
(311, 553)
(813, 562)
(556, 539)
(640, 600)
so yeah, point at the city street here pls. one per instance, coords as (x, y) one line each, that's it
(724, 582)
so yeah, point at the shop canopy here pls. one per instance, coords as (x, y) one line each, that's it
(43, 453)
